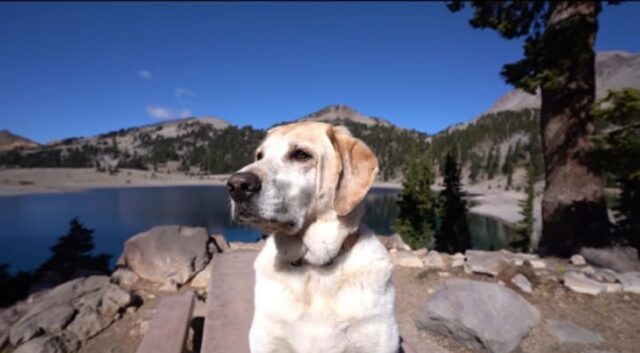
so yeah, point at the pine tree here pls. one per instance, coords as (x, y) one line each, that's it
(618, 153)
(417, 205)
(559, 61)
(522, 241)
(72, 252)
(453, 235)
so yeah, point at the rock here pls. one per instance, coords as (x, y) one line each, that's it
(486, 262)
(394, 242)
(605, 275)
(567, 332)
(457, 263)
(458, 256)
(220, 243)
(588, 270)
(406, 259)
(124, 277)
(578, 260)
(522, 282)
(114, 300)
(87, 324)
(67, 293)
(579, 283)
(630, 281)
(537, 264)
(51, 321)
(201, 279)
(238, 245)
(619, 259)
(45, 344)
(434, 260)
(482, 316)
(613, 287)
(421, 252)
(168, 253)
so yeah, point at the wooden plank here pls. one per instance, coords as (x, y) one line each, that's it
(170, 325)
(229, 303)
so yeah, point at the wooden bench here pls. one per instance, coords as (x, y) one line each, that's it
(229, 303)
(169, 327)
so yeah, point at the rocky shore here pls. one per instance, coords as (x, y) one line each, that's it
(479, 301)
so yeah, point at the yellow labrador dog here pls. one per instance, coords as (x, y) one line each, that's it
(323, 280)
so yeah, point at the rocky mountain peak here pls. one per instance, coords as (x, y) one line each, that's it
(9, 140)
(335, 112)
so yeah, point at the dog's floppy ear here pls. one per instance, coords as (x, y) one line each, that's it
(359, 169)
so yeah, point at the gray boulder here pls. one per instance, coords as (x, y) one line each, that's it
(88, 323)
(168, 253)
(580, 283)
(45, 344)
(630, 281)
(486, 262)
(124, 277)
(67, 293)
(567, 332)
(73, 312)
(50, 321)
(483, 316)
(619, 259)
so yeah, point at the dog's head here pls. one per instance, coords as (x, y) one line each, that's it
(302, 172)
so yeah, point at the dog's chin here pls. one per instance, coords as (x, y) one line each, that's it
(264, 224)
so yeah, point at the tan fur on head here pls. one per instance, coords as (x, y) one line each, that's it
(359, 169)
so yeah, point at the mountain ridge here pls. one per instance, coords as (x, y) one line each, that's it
(9, 141)
(615, 69)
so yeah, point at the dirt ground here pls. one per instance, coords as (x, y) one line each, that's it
(616, 317)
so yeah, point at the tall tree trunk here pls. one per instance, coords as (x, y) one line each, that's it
(573, 209)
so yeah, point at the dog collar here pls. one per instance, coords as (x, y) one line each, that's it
(347, 245)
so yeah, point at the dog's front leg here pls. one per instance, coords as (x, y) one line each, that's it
(262, 341)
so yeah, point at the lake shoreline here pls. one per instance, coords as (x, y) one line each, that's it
(28, 181)
(498, 204)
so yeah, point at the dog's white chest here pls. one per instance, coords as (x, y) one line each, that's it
(318, 310)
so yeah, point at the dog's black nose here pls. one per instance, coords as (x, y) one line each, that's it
(242, 185)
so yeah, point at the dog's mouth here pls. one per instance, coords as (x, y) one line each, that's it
(250, 217)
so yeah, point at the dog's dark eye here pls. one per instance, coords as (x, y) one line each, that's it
(259, 156)
(300, 155)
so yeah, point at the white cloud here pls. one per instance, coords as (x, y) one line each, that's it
(167, 113)
(184, 92)
(146, 74)
(185, 113)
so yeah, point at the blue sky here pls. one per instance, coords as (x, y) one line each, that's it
(76, 69)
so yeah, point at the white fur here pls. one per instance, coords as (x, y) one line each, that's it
(345, 307)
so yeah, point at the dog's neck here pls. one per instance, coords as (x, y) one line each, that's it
(322, 241)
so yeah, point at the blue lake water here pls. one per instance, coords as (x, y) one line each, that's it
(30, 224)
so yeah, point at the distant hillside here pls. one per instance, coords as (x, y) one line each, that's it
(9, 141)
(507, 136)
(209, 145)
(393, 145)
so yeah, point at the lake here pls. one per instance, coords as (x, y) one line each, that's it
(30, 224)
